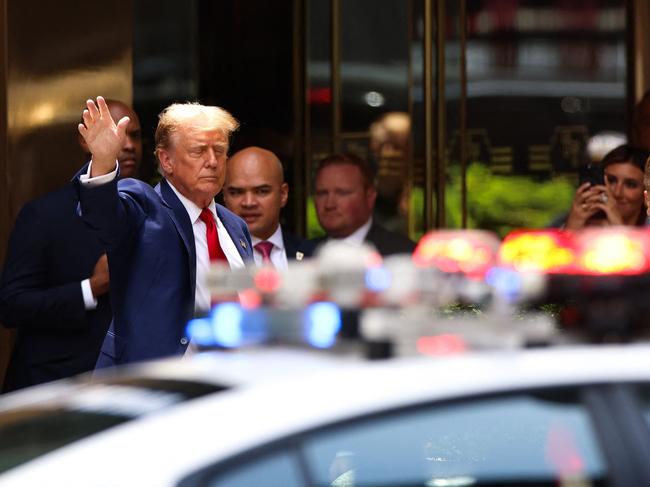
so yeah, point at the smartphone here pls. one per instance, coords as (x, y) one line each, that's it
(592, 174)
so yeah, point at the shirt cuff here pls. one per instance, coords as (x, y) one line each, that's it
(97, 180)
(89, 300)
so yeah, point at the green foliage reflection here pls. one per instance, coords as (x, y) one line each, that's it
(499, 203)
(495, 202)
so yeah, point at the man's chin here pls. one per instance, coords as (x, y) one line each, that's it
(127, 169)
(209, 187)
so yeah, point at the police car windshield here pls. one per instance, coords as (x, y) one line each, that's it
(33, 424)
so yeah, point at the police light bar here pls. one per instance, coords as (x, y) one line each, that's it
(348, 275)
(418, 331)
(617, 250)
(613, 251)
(600, 276)
(469, 252)
(232, 326)
(343, 272)
(547, 251)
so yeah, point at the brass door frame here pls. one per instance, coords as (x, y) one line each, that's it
(435, 126)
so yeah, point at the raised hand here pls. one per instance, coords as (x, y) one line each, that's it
(103, 137)
(581, 209)
(607, 203)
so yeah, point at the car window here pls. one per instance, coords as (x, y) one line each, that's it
(544, 439)
(537, 440)
(67, 413)
(29, 433)
(644, 398)
(275, 470)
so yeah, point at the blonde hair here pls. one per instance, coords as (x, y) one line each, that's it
(182, 114)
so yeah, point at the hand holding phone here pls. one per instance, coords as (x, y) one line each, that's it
(591, 173)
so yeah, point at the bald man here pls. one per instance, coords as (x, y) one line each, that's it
(55, 283)
(256, 191)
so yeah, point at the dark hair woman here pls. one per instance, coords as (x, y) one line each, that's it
(619, 201)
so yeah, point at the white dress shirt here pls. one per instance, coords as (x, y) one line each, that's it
(278, 253)
(358, 236)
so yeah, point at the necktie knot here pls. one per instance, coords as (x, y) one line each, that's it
(264, 248)
(207, 217)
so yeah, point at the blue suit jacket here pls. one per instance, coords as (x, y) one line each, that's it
(50, 253)
(152, 262)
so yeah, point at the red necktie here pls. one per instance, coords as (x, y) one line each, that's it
(214, 248)
(265, 248)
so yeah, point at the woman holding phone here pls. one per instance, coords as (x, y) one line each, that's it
(617, 197)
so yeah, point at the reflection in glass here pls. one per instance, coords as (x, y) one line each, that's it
(542, 78)
(538, 439)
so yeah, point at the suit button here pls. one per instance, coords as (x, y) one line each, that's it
(184, 341)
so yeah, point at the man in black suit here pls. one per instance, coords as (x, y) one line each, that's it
(256, 191)
(345, 196)
(54, 287)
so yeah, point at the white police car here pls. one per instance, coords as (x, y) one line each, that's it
(569, 416)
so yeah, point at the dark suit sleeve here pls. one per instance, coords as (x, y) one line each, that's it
(111, 215)
(27, 299)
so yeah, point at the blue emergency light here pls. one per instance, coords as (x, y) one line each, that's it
(229, 325)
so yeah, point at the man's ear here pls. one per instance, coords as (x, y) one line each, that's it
(165, 161)
(647, 203)
(284, 194)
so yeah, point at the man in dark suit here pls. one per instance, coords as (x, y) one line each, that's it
(256, 191)
(345, 197)
(160, 241)
(55, 283)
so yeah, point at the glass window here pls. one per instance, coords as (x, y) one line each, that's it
(29, 433)
(544, 79)
(41, 423)
(536, 86)
(540, 439)
(276, 470)
(644, 395)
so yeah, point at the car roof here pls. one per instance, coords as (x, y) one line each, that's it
(225, 369)
(162, 448)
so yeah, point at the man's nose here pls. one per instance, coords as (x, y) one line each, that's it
(129, 143)
(212, 157)
(249, 199)
(330, 201)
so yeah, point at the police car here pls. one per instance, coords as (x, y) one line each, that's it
(569, 415)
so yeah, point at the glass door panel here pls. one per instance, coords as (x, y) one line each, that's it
(511, 95)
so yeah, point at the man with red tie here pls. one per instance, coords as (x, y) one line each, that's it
(160, 241)
(256, 191)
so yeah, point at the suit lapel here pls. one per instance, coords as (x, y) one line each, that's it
(235, 233)
(183, 225)
(290, 246)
